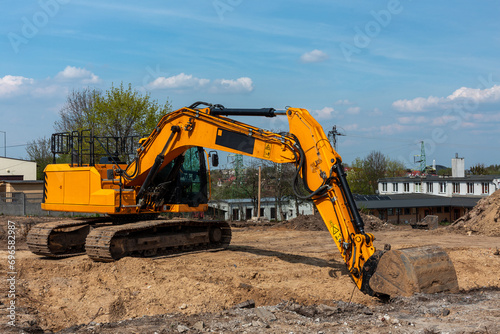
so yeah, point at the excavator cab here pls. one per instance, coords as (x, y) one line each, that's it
(182, 181)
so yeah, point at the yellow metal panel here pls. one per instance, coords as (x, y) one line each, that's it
(54, 187)
(76, 187)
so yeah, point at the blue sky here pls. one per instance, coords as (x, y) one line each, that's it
(389, 74)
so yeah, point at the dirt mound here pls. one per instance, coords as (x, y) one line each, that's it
(22, 226)
(483, 219)
(305, 223)
(373, 223)
(315, 223)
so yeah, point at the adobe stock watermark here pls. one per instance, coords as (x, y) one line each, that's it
(151, 76)
(454, 117)
(31, 25)
(364, 36)
(11, 273)
(223, 6)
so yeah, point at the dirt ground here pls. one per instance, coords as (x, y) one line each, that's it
(294, 277)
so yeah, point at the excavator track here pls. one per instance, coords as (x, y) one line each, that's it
(60, 238)
(156, 237)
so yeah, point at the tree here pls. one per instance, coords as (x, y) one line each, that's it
(278, 180)
(39, 151)
(78, 112)
(117, 112)
(445, 172)
(478, 169)
(364, 173)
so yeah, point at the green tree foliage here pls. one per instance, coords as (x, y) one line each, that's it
(478, 169)
(493, 170)
(117, 112)
(364, 173)
(444, 172)
(481, 169)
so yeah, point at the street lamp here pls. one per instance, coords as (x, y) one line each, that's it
(4, 144)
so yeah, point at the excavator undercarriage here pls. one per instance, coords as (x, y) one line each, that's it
(105, 242)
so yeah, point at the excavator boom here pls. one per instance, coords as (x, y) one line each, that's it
(157, 179)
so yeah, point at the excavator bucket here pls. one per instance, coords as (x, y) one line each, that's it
(403, 272)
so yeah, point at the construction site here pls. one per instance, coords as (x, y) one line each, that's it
(133, 251)
(232, 166)
(277, 278)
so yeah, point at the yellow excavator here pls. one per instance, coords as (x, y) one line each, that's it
(168, 174)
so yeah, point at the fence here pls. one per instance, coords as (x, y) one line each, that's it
(21, 204)
(26, 204)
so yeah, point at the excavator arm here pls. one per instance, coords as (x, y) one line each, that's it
(305, 145)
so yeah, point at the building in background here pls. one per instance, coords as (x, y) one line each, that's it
(409, 199)
(17, 169)
(243, 209)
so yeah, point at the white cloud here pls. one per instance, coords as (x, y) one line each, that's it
(180, 81)
(325, 113)
(184, 81)
(463, 94)
(353, 110)
(71, 73)
(315, 56)
(418, 104)
(11, 85)
(58, 85)
(240, 85)
(477, 95)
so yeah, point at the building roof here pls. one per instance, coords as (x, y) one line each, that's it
(22, 181)
(414, 201)
(437, 178)
(23, 160)
(245, 200)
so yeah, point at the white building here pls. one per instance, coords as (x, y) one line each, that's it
(243, 209)
(455, 185)
(17, 169)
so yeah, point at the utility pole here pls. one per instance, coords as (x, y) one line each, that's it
(4, 144)
(258, 197)
(332, 136)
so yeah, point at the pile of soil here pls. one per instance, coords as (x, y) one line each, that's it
(315, 223)
(483, 219)
(304, 223)
(22, 225)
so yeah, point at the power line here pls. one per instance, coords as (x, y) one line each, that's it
(332, 136)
